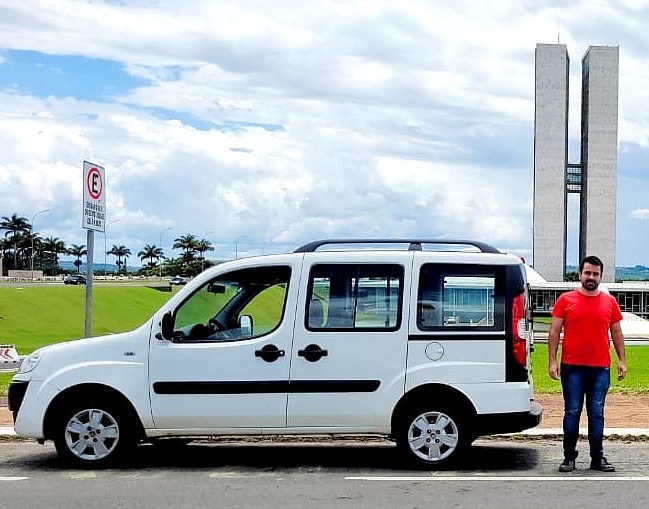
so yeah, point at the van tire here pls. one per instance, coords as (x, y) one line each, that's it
(433, 436)
(92, 434)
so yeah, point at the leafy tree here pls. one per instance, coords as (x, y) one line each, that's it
(78, 251)
(573, 275)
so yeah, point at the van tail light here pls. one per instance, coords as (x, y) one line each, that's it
(519, 330)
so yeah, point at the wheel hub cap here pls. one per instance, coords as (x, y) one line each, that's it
(433, 436)
(92, 434)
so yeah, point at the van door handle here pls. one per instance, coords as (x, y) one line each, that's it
(270, 353)
(312, 353)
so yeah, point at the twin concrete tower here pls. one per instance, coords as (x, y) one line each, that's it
(594, 178)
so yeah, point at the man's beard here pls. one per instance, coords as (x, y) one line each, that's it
(590, 285)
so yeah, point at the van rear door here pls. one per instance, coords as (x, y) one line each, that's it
(458, 325)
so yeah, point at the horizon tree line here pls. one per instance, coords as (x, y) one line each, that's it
(19, 239)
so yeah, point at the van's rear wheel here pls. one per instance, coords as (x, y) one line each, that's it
(92, 435)
(433, 437)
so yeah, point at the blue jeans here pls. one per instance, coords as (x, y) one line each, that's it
(577, 382)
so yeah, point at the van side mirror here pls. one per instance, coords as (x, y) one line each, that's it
(245, 324)
(166, 327)
(215, 288)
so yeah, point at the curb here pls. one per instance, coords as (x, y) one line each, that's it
(8, 431)
(583, 432)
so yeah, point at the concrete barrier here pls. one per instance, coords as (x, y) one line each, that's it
(9, 358)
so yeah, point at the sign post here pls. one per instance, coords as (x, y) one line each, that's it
(94, 219)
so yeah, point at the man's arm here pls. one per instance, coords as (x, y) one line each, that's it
(553, 347)
(618, 343)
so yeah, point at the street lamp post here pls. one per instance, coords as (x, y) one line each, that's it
(236, 246)
(161, 234)
(31, 231)
(203, 254)
(106, 248)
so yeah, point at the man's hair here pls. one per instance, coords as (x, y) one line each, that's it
(593, 260)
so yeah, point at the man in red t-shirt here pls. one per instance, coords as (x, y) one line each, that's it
(587, 316)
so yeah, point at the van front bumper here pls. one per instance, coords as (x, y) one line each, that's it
(493, 424)
(15, 396)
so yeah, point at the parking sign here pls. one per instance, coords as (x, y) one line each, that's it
(94, 197)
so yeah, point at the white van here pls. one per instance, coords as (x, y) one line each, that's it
(428, 346)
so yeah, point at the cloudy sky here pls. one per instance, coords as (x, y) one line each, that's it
(263, 125)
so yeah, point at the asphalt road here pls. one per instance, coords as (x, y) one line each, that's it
(499, 473)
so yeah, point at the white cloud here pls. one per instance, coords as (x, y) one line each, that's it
(640, 214)
(395, 119)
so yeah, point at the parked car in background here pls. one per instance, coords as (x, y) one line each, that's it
(75, 279)
(177, 280)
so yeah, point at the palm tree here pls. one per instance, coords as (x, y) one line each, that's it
(25, 242)
(120, 252)
(150, 252)
(188, 244)
(4, 246)
(55, 247)
(77, 251)
(20, 247)
(201, 246)
(15, 226)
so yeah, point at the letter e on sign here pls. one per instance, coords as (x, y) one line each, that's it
(94, 197)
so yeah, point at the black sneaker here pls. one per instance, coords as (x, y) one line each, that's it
(567, 465)
(602, 465)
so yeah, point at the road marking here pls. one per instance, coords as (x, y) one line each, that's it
(13, 478)
(83, 475)
(497, 478)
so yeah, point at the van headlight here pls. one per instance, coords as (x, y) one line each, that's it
(30, 362)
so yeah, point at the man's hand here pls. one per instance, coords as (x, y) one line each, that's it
(553, 370)
(621, 370)
(553, 346)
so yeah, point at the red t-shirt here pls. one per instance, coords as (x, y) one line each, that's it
(586, 324)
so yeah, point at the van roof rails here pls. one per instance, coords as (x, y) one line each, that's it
(413, 244)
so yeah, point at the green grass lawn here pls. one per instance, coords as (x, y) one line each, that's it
(31, 317)
(35, 316)
(637, 379)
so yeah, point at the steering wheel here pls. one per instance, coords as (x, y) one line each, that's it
(216, 325)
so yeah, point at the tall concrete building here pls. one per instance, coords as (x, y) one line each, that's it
(550, 160)
(598, 202)
(594, 178)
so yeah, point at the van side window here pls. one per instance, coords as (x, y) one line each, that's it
(354, 297)
(239, 305)
(461, 297)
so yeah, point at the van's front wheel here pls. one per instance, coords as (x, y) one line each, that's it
(432, 437)
(92, 435)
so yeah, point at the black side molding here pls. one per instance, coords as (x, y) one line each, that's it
(266, 387)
